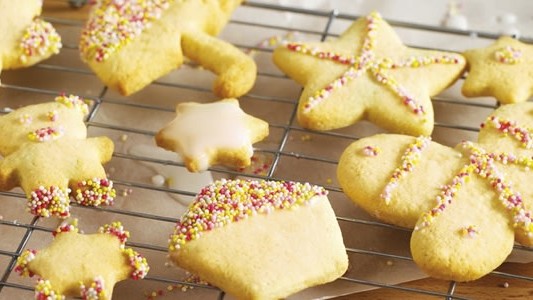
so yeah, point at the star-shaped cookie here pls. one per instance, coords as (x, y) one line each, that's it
(129, 44)
(368, 73)
(46, 151)
(213, 133)
(503, 70)
(87, 266)
(26, 39)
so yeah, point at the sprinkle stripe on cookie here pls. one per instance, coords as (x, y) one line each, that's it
(227, 201)
(409, 160)
(523, 135)
(366, 61)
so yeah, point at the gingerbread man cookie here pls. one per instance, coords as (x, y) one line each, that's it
(467, 205)
(26, 39)
(86, 266)
(129, 44)
(260, 239)
(46, 151)
(368, 73)
(502, 70)
(212, 133)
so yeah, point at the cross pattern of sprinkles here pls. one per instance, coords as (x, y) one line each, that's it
(483, 164)
(367, 62)
(91, 286)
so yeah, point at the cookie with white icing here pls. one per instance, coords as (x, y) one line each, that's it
(212, 133)
(129, 44)
(26, 39)
(368, 73)
(260, 239)
(467, 205)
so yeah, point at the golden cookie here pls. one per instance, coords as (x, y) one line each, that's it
(26, 39)
(212, 133)
(260, 239)
(129, 44)
(502, 70)
(368, 73)
(467, 205)
(87, 266)
(47, 154)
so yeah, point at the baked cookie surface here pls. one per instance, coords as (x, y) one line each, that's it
(467, 205)
(260, 239)
(132, 43)
(26, 39)
(76, 264)
(368, 73)
(502, 70)
(213, 133)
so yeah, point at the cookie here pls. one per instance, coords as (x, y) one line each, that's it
(213, 133)
(260, 239)
(26, 39)
(82, 265)
(132, 43)
(467, 205)
(47, 153)
(368, 73)
(501, 70)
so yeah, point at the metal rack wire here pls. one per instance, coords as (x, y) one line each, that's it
(288, 149)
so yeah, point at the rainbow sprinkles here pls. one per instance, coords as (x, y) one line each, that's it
(367, 61)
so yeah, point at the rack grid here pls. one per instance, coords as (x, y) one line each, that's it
(290, 153)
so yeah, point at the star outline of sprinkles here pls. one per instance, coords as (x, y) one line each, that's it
(482, 164)
(366, 61)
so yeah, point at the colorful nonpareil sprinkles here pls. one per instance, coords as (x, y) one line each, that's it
(523, 135)
(67, 227)
(409, 160)
(469, 231)
(95, 192)
(44, 291)
(73, 101)
(25, 119)
(508, 55)
(45, 134)
(40, 38)
(52, 115)
(115, 23)
(51, 201)
(371, 151)
(228, 201)
(483, 164)
(95, 291)
(138, 263)
(366, 61)
(22, 263)
(117, 230)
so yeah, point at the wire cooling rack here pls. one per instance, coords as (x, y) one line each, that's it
(149, 210)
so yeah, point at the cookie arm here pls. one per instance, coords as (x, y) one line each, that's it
(8, 180)
(236, 71)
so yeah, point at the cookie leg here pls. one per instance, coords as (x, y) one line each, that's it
(47, 201)
(93, 192)
(236, 71)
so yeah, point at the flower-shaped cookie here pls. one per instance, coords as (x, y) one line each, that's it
(129, 44)
(26, 39)
(87, 266)
(45, 151)
(212, 133)
(502, 70)
(467, 205)
(368, 73)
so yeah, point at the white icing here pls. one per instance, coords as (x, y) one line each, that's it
(456, 22)
(203, 128)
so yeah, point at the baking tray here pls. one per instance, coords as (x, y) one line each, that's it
(379, 253)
